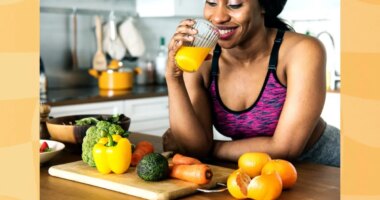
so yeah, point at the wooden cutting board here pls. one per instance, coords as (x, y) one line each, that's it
(129, 183)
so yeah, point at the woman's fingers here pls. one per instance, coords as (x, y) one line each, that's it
(186, 29)
(183, 37)
(172, 69)
(187, 22)
(177, 44)
(180, 36)
(183, 34)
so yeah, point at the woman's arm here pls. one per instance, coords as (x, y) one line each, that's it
(189, 114)
(305, 71)
(189, 109)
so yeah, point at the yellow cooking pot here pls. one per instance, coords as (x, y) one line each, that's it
(112, 79)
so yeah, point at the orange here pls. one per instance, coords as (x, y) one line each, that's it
(265, 187)
(237, 183)
(285, 169)
(252, 162)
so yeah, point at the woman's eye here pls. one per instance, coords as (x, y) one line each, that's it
(210, 3)
(235, 6)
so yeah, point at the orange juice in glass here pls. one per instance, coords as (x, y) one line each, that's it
(190, 56)
(189, 59)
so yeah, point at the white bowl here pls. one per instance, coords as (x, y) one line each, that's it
(55, 147)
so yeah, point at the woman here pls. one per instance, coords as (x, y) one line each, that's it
(264, 88)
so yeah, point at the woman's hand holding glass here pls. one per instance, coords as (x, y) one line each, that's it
(184, 34)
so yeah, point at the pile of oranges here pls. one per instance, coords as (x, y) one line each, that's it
(261, 178)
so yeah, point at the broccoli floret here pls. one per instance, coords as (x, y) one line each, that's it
(86, 121)
(115, 118)
(91, 138)
(103, 125)
(115, 129)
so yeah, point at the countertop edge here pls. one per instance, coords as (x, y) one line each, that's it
(103, 99)
(75, 96)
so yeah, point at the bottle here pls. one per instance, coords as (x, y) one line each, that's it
(43, 79)
(140, 71)
(150, 71)
(161, 62)
(145, 71)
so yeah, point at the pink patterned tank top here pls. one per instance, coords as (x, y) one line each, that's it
(261, 118)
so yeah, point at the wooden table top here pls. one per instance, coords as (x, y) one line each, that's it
(314, 181)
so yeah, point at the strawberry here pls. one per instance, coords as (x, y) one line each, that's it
(44, 147)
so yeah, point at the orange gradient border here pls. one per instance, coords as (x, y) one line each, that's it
(19, 106)
(360, 98)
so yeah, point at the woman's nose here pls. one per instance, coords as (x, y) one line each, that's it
(220, 15)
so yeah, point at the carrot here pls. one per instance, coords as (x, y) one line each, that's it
(142, 148)
(179, 159)
(197, 173)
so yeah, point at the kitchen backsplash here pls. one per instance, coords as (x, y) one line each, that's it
(57, 36)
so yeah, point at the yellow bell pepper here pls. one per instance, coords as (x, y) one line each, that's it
(104, 140)
(109, 156)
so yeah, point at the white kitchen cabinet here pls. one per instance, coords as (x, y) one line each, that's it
(169, 8)
(149, 115)
(111, 107)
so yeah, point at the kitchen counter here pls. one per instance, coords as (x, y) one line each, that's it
(72, 96)
(314, 181)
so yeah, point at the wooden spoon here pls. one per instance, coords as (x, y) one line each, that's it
(99, 61)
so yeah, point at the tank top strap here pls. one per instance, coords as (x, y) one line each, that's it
(215, 59)
(276, 47)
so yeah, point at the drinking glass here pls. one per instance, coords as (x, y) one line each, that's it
(192, 54)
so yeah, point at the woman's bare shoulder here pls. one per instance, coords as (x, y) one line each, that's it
(302, 48)
(301, 44)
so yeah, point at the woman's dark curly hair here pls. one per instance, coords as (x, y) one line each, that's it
(272, 9)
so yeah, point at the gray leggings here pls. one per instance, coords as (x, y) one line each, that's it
(326, 150)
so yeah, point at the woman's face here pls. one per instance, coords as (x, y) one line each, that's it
(237, 20)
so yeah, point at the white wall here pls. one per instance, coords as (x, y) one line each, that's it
(316, 17)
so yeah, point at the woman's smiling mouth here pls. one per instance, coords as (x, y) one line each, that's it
(226, 32)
